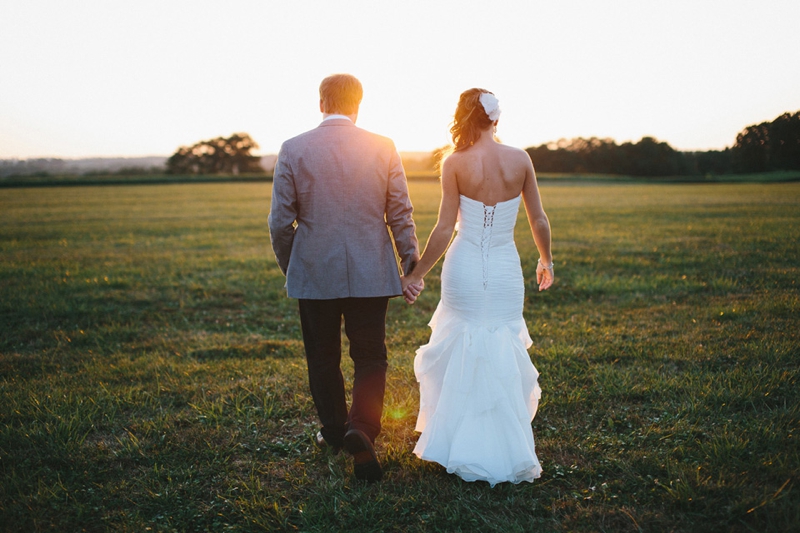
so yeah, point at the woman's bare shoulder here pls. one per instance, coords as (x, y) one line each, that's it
(513, 151)
(453, 160)
(456, 155)
(518, 157)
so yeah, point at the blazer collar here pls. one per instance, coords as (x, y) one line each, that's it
(337, 122)
(335, 116)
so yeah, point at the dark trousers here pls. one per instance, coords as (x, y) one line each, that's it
(365, 327)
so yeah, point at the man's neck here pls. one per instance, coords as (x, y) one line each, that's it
(332, 116)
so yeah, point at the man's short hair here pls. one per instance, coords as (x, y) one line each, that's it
(340, 93)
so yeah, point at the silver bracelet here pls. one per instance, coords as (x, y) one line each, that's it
(550, 267)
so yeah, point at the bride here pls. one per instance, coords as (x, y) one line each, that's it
(479, 390)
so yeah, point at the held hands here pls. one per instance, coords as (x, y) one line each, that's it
(544, 275)
(411, 288)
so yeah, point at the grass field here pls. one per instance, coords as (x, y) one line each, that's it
(152, 377)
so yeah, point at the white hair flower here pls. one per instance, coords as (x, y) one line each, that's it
(491, 105)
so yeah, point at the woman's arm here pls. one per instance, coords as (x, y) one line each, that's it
(442, 232)
(540, 228)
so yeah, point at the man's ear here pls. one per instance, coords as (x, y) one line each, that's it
(321, 106)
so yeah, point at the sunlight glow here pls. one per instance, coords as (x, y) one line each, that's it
(396, 413)
(105, 79)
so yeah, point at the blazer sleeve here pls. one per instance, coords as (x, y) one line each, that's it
(398, 215)
(283, 211)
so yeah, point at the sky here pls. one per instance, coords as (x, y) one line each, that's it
(88, 78)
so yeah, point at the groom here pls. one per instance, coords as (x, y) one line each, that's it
(337, 193)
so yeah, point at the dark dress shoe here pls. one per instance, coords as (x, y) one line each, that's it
(365, 462)
(325, 445)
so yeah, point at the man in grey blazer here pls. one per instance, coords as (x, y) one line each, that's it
(339, 199)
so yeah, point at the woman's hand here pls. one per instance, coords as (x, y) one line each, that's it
(412, 287)
(544, 275)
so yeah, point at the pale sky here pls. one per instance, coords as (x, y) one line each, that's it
(89, 78)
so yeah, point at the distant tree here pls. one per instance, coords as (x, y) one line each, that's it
(750, 152)
(769, 146)
(588, 155)
(784, 142)
(217, 156)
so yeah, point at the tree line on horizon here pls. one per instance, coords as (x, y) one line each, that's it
(765, 147)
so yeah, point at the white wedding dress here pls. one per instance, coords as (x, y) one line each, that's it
(479, 390)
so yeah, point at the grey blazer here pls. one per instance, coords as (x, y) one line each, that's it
(337, 192)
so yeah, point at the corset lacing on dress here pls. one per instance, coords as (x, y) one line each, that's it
(486, 240)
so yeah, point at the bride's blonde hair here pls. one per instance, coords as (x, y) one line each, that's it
(470, 119)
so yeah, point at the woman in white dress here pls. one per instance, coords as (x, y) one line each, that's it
(479, 390)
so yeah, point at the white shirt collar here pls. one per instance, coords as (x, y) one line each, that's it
(332, 117)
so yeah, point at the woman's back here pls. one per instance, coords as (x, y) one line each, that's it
(490, 172)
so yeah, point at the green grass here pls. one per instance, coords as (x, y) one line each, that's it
(152, 376)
